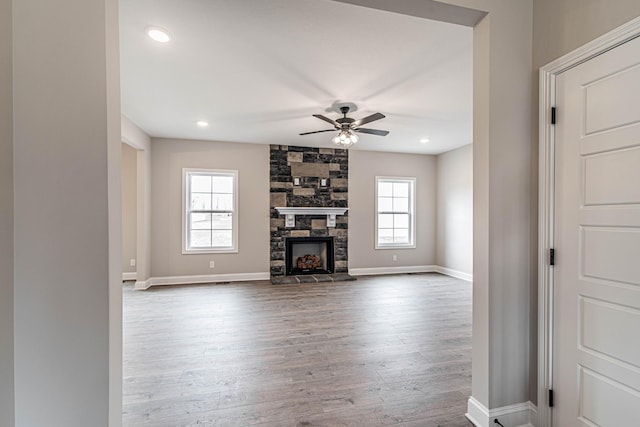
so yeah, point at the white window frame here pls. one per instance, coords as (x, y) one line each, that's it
(186, 210)
(412, 213)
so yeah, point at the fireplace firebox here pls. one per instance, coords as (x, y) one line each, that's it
(309, 255)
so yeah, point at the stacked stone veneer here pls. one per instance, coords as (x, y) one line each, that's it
(310, 166)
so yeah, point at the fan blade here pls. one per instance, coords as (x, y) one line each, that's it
(318, 131)
(373, 131)
(368, 119)
(327, 119)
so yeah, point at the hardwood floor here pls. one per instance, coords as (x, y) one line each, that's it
(384, 350)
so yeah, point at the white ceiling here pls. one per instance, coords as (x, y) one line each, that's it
(257, 70)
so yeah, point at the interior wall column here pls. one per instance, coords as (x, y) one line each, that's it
(502, 214)
(67, 189)
(6, 216)
(135, 137)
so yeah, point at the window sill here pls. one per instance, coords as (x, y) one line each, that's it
(385, 247)
(209, 251)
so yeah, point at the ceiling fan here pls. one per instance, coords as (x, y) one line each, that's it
(346, 126)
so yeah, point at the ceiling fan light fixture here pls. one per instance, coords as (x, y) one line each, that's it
(347, 127)
(345, 138)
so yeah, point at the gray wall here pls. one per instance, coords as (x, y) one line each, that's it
(6, 217)
(560, 26)
(66, 130)
(168, 157)
(455, 210)
(129, 207)
(133, 136)
(364, 166)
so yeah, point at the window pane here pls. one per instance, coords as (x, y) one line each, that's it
(401, 189)
(209, 208)
(200, 201)
(401, 235)
(395, 207)
(385, 220)
(200, 221)
(222, 238)
(223, 221)
(401, 220)
(385, 189)
(223, 184)
(200, 239)
(385, 235)
(400, 204)
(385, 204)
(200, 184)
(222, 202)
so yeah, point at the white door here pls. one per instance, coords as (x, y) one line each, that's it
(596, 341)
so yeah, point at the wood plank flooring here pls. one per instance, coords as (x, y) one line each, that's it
(384, 350)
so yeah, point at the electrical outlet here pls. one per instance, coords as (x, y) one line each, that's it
(212, 264)
(394, 257)
(296, 181)
(132, 262)
(323, 182)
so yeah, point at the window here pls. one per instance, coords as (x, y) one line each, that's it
(210, 211)
(395, 212)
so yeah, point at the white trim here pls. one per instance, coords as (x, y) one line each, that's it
(548, 75)
(129, 276)
(520, 414)
(142, 285)
(186, 191)
(533, 415)
(454, 273)
(412, 212)
(476, 412)
(596, 47)
(204, 278)
(290, 213)
(392, 270)
(371, 271)
(240, 277)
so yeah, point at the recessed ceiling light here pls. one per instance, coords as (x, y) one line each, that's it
(158, 34)
(424, 140)
(202, 123)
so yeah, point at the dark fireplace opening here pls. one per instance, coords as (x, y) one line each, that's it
(309, 255)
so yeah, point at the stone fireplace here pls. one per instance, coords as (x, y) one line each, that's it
(307, 181)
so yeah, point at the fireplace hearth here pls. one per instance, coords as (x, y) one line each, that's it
(309, 255)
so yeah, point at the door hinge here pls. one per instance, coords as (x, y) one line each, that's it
(552, 256)
(550, 398)
(553, 115)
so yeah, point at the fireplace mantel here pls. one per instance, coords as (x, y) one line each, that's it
(290, 214)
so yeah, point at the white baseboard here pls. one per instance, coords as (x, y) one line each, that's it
(392, 270)
(239, 277)
(518, 415)
(205, 278)
(411, 269)
(141, 285)
(129, 276)
(454, 273)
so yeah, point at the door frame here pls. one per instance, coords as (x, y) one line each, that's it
(546, 183)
